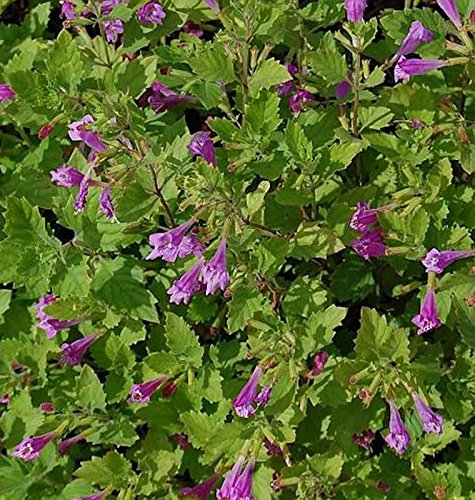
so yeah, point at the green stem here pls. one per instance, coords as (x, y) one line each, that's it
(158, 191)
(356, 89)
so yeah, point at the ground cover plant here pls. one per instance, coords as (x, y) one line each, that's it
(236, 249)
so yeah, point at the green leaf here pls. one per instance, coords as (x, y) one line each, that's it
(111, 470)
(375, 117)
(245, 303)
(327, 62)
(213, 65)
(89, 389)
(268, 74)
(183, 343)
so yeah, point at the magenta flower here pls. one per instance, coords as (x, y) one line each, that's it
(66, 177)
(95, 496)
(163, 98)
(416, 35)
(398, 438)
(202, 145)
(67, 10)
(272, 448)
(364, 438)
(190, 245)
(431, 422)
(150, 13)
(298, 100)
(284, 89)
(263, 398)
(355, 10)
(105, 203)
(45, 131)
(141, 393)
(370, 245)
(237, 485)
(193, 29)
(73, 353)
(436, 261)
(416, 124)
(342, 89)
(363, 218)
(47, 407)
(5, 399)
(213, 5)
(244, 403)
(80, 131)
(81, 198)
(6, 92)
(64, 445)
(427, 319)
(319, 363)
(30, 448)
(172, 244)
(187, 285)
(405, 68)
(202, 490)
(50, 325)
(215, 274)
(291, 68)
(113, 29)
(451, 11)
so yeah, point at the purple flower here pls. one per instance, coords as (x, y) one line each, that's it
(202, 145)
(193, 29)
(95, 496)
(398, 438)
(30, 448)
(363, 439)
(150, 13)
(342, 89)
(141, 393)
(363, 217)
(79, 131)
(172, 244)
(237, 485)
(105, 203)
(285, 88)
(416, 35)
(113, 29)
(5, 399)
(291, 68)
(202, 490)
(427, 319)
(405, 68)
(47, 407)
(50, 325)
(215, 274)
(6, 92)
(263, 398)
(107, 6)
(244, 403)
(319, 362)
(163, 98)
(73, 353)
(431, 422)
(213, 5)
(297, 101)
(190, 245)
(64, 445)
(436, 261)
(355, 10)
(416, 124)
(187, 285)
(272, 448)
(451, 11)
(66, 177)
(81, 198)
(371, 244)
(67, 10)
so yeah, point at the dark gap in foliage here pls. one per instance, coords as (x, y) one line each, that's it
(449, 454)
(378, 445)
(194, 120)
(55, 23)
(15, 13)
(64, 234)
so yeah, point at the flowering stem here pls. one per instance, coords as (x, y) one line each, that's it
(466, 39)
(356, 89)
(431, 280)
(158, 191)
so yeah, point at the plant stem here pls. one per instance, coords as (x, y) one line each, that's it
(356, 89)
(158, 191)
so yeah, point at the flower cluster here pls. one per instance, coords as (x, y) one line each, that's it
(237, 484)
(298, 96)
(247, 401)
(371, 243)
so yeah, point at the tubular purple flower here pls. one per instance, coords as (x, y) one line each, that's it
(370, 245)
(77, 128)
(228, 490)
(200, 491)
(427, 319)
(6, 92)
(190, 245)
(67, 10)
(78, 131)
(30, 448)
(187, 285)
(150, 13)
(363, 217)
(398, 438)
(64, 445)
(213, 5)
(73, 353)
(405, 68)
(451, 11)
(284, 89)
(243, 404)
(431, 422)
(355, 10)
(202, 145)
(272, 448)
(81, 198)
(263, 398)
(163, 98)
(141, 393)
(66, 177)
(113, 29)
(193, 29)
(171, 244)
(319, 363)
(243, 484)
(105, 203)
(416, 35)
(215, 274)
(95, 496)
(298, 100)
(52, 326)
(436, 261)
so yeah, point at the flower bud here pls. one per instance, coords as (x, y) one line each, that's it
(45, 131)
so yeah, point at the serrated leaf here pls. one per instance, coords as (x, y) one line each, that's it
(183, 343)
(268, 74)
